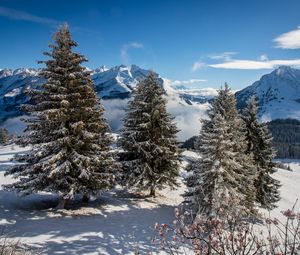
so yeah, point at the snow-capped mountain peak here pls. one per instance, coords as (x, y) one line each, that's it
(286, 71)
(101, 69)
(278, 94)
(25, 72)
(5, 73)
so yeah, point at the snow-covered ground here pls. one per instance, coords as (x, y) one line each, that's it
(115, 223)
(290, 189)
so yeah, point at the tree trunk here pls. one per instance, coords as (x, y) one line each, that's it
(85, 198)
(152, 191)
(62, 202)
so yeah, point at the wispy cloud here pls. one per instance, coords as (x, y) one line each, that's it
(226, 56)
(198, 65)
(186, 82)
(289, 40)
(21, 15)
(256, 64)
(126, 47)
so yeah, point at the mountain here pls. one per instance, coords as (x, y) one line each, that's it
(278, 94)
(13, 83)
(116, 82)
(196, 96)
(114, 86)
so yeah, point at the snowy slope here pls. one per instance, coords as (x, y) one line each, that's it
(278, 94)
(115, 223)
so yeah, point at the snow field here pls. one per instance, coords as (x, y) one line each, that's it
(115, 222)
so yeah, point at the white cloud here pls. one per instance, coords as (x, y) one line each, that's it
(126, 47)
(198, 65)
(187, 117)
(264, 57)
(187, 82)
(256, 64)
(289, 40)
(225, 55)
(115, 112)
(21, 15)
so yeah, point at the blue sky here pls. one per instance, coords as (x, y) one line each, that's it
(203, 43)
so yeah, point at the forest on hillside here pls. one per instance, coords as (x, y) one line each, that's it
(286, 137)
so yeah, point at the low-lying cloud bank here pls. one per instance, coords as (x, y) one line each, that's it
(187, 117)
(115, 112)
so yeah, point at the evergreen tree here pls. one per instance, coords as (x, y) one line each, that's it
(151, 158)
(70, 144)
(4, 136)
(223, 169)
(260, 148)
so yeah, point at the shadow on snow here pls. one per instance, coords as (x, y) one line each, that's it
(123, 230)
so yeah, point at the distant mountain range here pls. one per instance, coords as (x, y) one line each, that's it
(278, 93)
(116, 82)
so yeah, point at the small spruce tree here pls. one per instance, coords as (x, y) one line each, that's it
(223, 169)
(259, 146)
(68, 134)
(4, 136)
(151, 157)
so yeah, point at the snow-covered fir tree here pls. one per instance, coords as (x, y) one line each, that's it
(259, 146)
(224, 168)
(151, 157)
(68, 134)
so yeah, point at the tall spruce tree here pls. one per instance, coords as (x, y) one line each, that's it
(259, 146)
(224, 170)
(70, 144)
(151, 158)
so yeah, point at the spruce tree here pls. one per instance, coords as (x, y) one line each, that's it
(151, 157)
(68, 134)
(259, 146)
(224, 170)
(4, 136)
